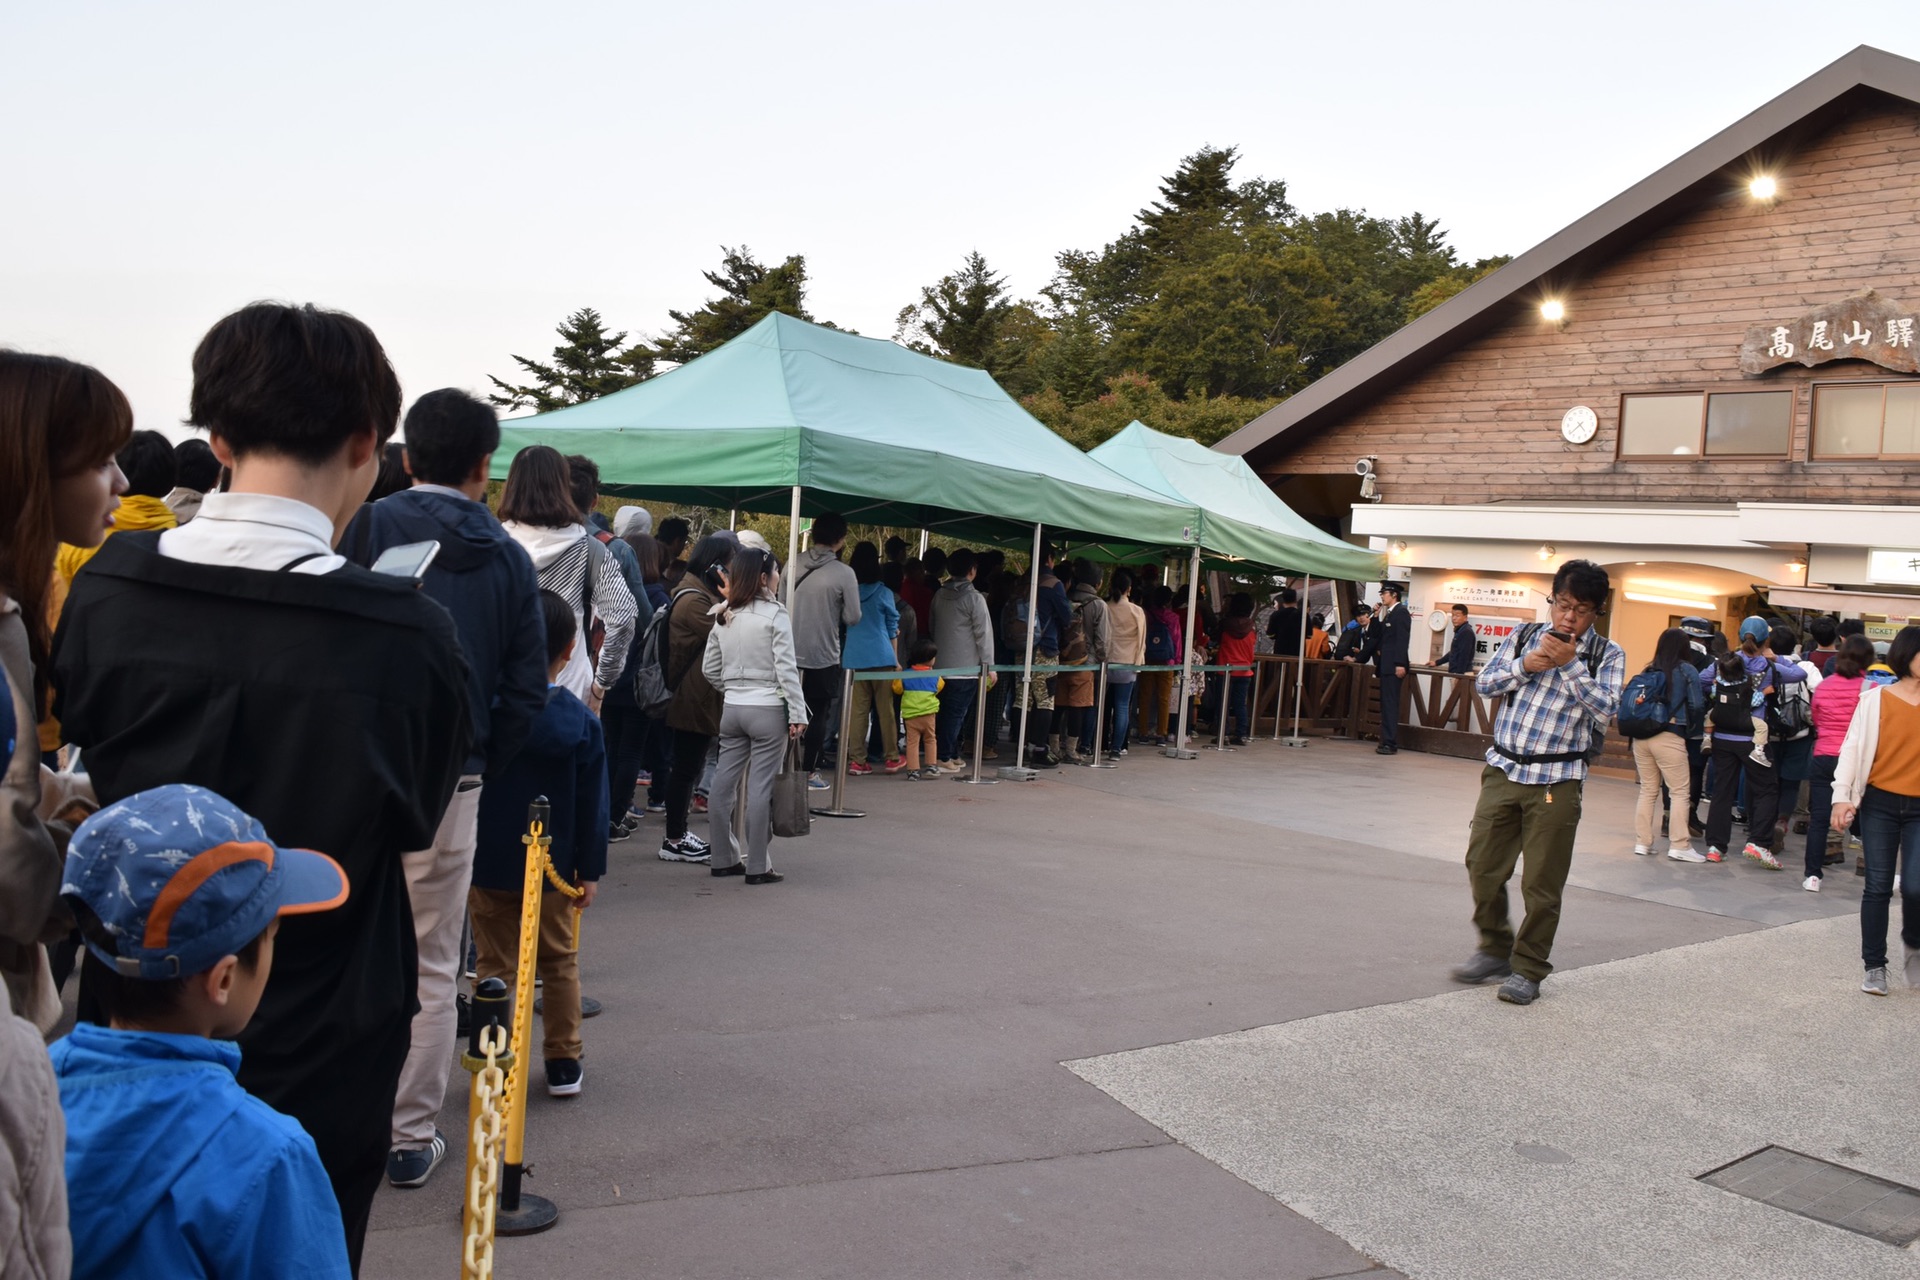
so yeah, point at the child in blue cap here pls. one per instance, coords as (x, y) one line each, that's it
(172, 1168)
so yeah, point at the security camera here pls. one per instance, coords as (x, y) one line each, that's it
(1365, 467)
(1369, 489)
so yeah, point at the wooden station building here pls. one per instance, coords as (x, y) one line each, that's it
(1707, 385)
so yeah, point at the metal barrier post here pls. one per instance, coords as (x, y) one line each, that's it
(522, 1214)
(1226, 696)
(1100, 723)
(1251, 729)
(836, 810)
(1279, 691)
(1179, 749)
(980, 732)
(487, 1059)
(1300, 676)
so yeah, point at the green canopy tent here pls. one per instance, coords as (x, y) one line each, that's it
(1240, 518)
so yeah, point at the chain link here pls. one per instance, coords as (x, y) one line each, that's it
(488, 1135)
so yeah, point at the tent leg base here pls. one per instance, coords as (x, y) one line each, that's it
(1180, 753)
(1105, 764)
(838, 813)
(1293, 742)
(1017, 773)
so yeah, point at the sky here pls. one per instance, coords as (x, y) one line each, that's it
(462, 176)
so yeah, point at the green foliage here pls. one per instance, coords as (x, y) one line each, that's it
(1440, 288)
(749, 292)
(1131, 396)
(968, 318)
(588, 363)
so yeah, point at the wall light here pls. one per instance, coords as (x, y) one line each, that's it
(1399, 546)
(1552, 311)
(1763, 187)
(1797, 565)
(1678, 602)
(1547, 551)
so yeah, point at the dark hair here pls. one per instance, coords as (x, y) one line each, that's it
(561, 627)
(57, 419)
(1851, 627)
(829, 529)
(1856, 655)
(1585, 581)
(448, 433)
(537, 491)
(961, 563)
(137, 1001)
(1318, 622)
(1748, 645)
(989, 561)
(1732, 667)
(865, 563)
(1119, 584)
(1065, 572)
(1289, 596)
(1460, 608)
(295, 381)
(924, 650)
(583, 481)
(1823, 631)
(715, 551)
(1669, 653)
(1782, 640)
(1046, 554)
(648, 552)
(392, 477)
(148, 463)
(1904, 649)
(674, 529)
(746, 576)
(936, 562)
(894, 575)
(194, 465)
(1162, 597)
(1240, 605)
(1086, 572)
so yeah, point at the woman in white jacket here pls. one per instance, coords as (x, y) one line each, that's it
(750, 660)
(537, 511)
(1878, 775)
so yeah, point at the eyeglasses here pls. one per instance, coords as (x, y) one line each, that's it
(1578, 608)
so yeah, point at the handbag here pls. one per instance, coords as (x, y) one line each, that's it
(792, 815)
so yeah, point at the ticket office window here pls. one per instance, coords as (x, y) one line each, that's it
(1866, 420)
(1702, 424)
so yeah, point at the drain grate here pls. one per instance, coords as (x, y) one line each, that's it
(1825, 1192)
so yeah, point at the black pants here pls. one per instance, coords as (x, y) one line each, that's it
(1733, 759)
(821, 686)
(1890, 834)
(1820, 813)
(689, 762)
(1389, 707)
(626, 733)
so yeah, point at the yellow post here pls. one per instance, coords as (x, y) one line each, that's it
(523, 1214)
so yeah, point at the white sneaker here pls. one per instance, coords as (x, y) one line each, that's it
(1811, 884)
(1643, 850)
(1688, 854)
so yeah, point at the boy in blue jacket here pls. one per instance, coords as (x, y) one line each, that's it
(172, 1168)
(565, 760)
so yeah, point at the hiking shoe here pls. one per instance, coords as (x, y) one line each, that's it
(1811, 884)
(564, 1076)
(1688, 854)
(412, 1166)
(1762, 855)
(1913, 966)
(817, 783)
(1714, 855)
(1518, 990)
(1875, 983)
(1481, 967)
(1643, 850)
(857, 769)
(681, 851)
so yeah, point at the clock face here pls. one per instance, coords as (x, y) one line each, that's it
(1438, 619)
(1579, 424)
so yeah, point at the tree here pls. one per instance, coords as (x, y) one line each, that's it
(967, 318)
(1440, 288)
(749, 292)
(589, 363)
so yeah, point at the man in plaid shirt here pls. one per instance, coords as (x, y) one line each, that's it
(1556, 698)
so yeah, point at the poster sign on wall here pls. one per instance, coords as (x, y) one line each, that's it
(1866, 326)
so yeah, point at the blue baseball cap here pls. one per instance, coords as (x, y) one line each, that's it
(1755, 629)
(180, 877)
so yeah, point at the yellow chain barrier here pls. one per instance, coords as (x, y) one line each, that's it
(486, 1132)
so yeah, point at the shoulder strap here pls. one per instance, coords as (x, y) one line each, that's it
(300, 560)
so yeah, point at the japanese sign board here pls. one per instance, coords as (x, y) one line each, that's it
(1902, 567)
(1866, 326)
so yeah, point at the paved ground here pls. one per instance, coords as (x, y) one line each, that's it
(858, 1072)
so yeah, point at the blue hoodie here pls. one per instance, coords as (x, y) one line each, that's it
(565, 760)
(174, 1170)
(484, 579)
(870, 641)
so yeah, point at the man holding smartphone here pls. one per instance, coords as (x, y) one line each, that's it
(1558, 685)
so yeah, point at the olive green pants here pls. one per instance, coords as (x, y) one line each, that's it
(1511, 817)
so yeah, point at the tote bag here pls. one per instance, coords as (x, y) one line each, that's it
(791, 814)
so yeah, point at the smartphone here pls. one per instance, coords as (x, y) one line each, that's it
(1561, 636)
(409, 560)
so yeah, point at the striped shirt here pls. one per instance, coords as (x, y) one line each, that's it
(1552, 712)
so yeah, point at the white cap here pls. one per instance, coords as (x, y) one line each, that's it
(632, 520)
(751, 538)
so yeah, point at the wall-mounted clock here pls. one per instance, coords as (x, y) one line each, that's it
(1579, 424)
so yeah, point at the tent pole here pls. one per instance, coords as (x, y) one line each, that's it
(1020, 769)
(1178, 750)
(793, 548)
(733, 518)
(923, 544)
(1300, 666)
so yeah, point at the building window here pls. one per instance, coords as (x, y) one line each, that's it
(1720, 424)
(1866, 420)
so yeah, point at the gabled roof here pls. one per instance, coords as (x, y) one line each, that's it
(1694, 179)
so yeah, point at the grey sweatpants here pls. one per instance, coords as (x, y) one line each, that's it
(752, 741)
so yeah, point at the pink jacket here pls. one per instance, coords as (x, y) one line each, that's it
(1834, 701)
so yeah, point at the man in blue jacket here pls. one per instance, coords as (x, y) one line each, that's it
(1466, 641)
(485, 580)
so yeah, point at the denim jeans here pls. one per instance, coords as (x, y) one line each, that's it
(1239, 698)
(1819, 812)
(955, 701)
(1120, 714)
(1890, 830)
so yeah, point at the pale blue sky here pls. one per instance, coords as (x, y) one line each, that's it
(462, 175)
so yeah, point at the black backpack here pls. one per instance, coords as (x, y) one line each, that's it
(651, 692)
(1792, 716)
(1593, 652)
(1730, 707)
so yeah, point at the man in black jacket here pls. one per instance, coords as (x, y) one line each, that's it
(1466, 641)
(485, 580)
(1359, 638)
(1396, 633)
(239, 653)
(1283, 628)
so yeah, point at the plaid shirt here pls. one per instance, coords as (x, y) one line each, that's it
(1553, 711)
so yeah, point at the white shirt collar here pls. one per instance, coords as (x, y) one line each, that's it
(255, 531)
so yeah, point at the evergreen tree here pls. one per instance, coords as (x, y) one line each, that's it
(588, 363)
(968, 318)
(749, 292)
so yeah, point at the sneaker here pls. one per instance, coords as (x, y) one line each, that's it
(660, 806)
(1913, 966)
(1739, 816)
(1695, 827)
(856, 769)
(635, 814)
(1811, 884)
(699, 804)
(696, 844)
(1518, 990)
(915, 775)
(954, 766)
(564, 1076)
(990, 753)
(817, 783)
(1759, 756)
(1714, 855)
(1643, 850)
(617, 831)
(462, 1015)
(1121, 754)
(1875, 983)
(1762, 855)
(1481, 967)
(1236, 741)
(643, 779)
(681, 851)
(412, 1166)
(1688, 854)
(896, 764)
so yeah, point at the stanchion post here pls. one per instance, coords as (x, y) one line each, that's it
(487, 1058)
(1100, 723)
(837, 809)
(1018, 770)
(1251, 730)
(980, 731)
(1220, 711)
(522, 1214)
